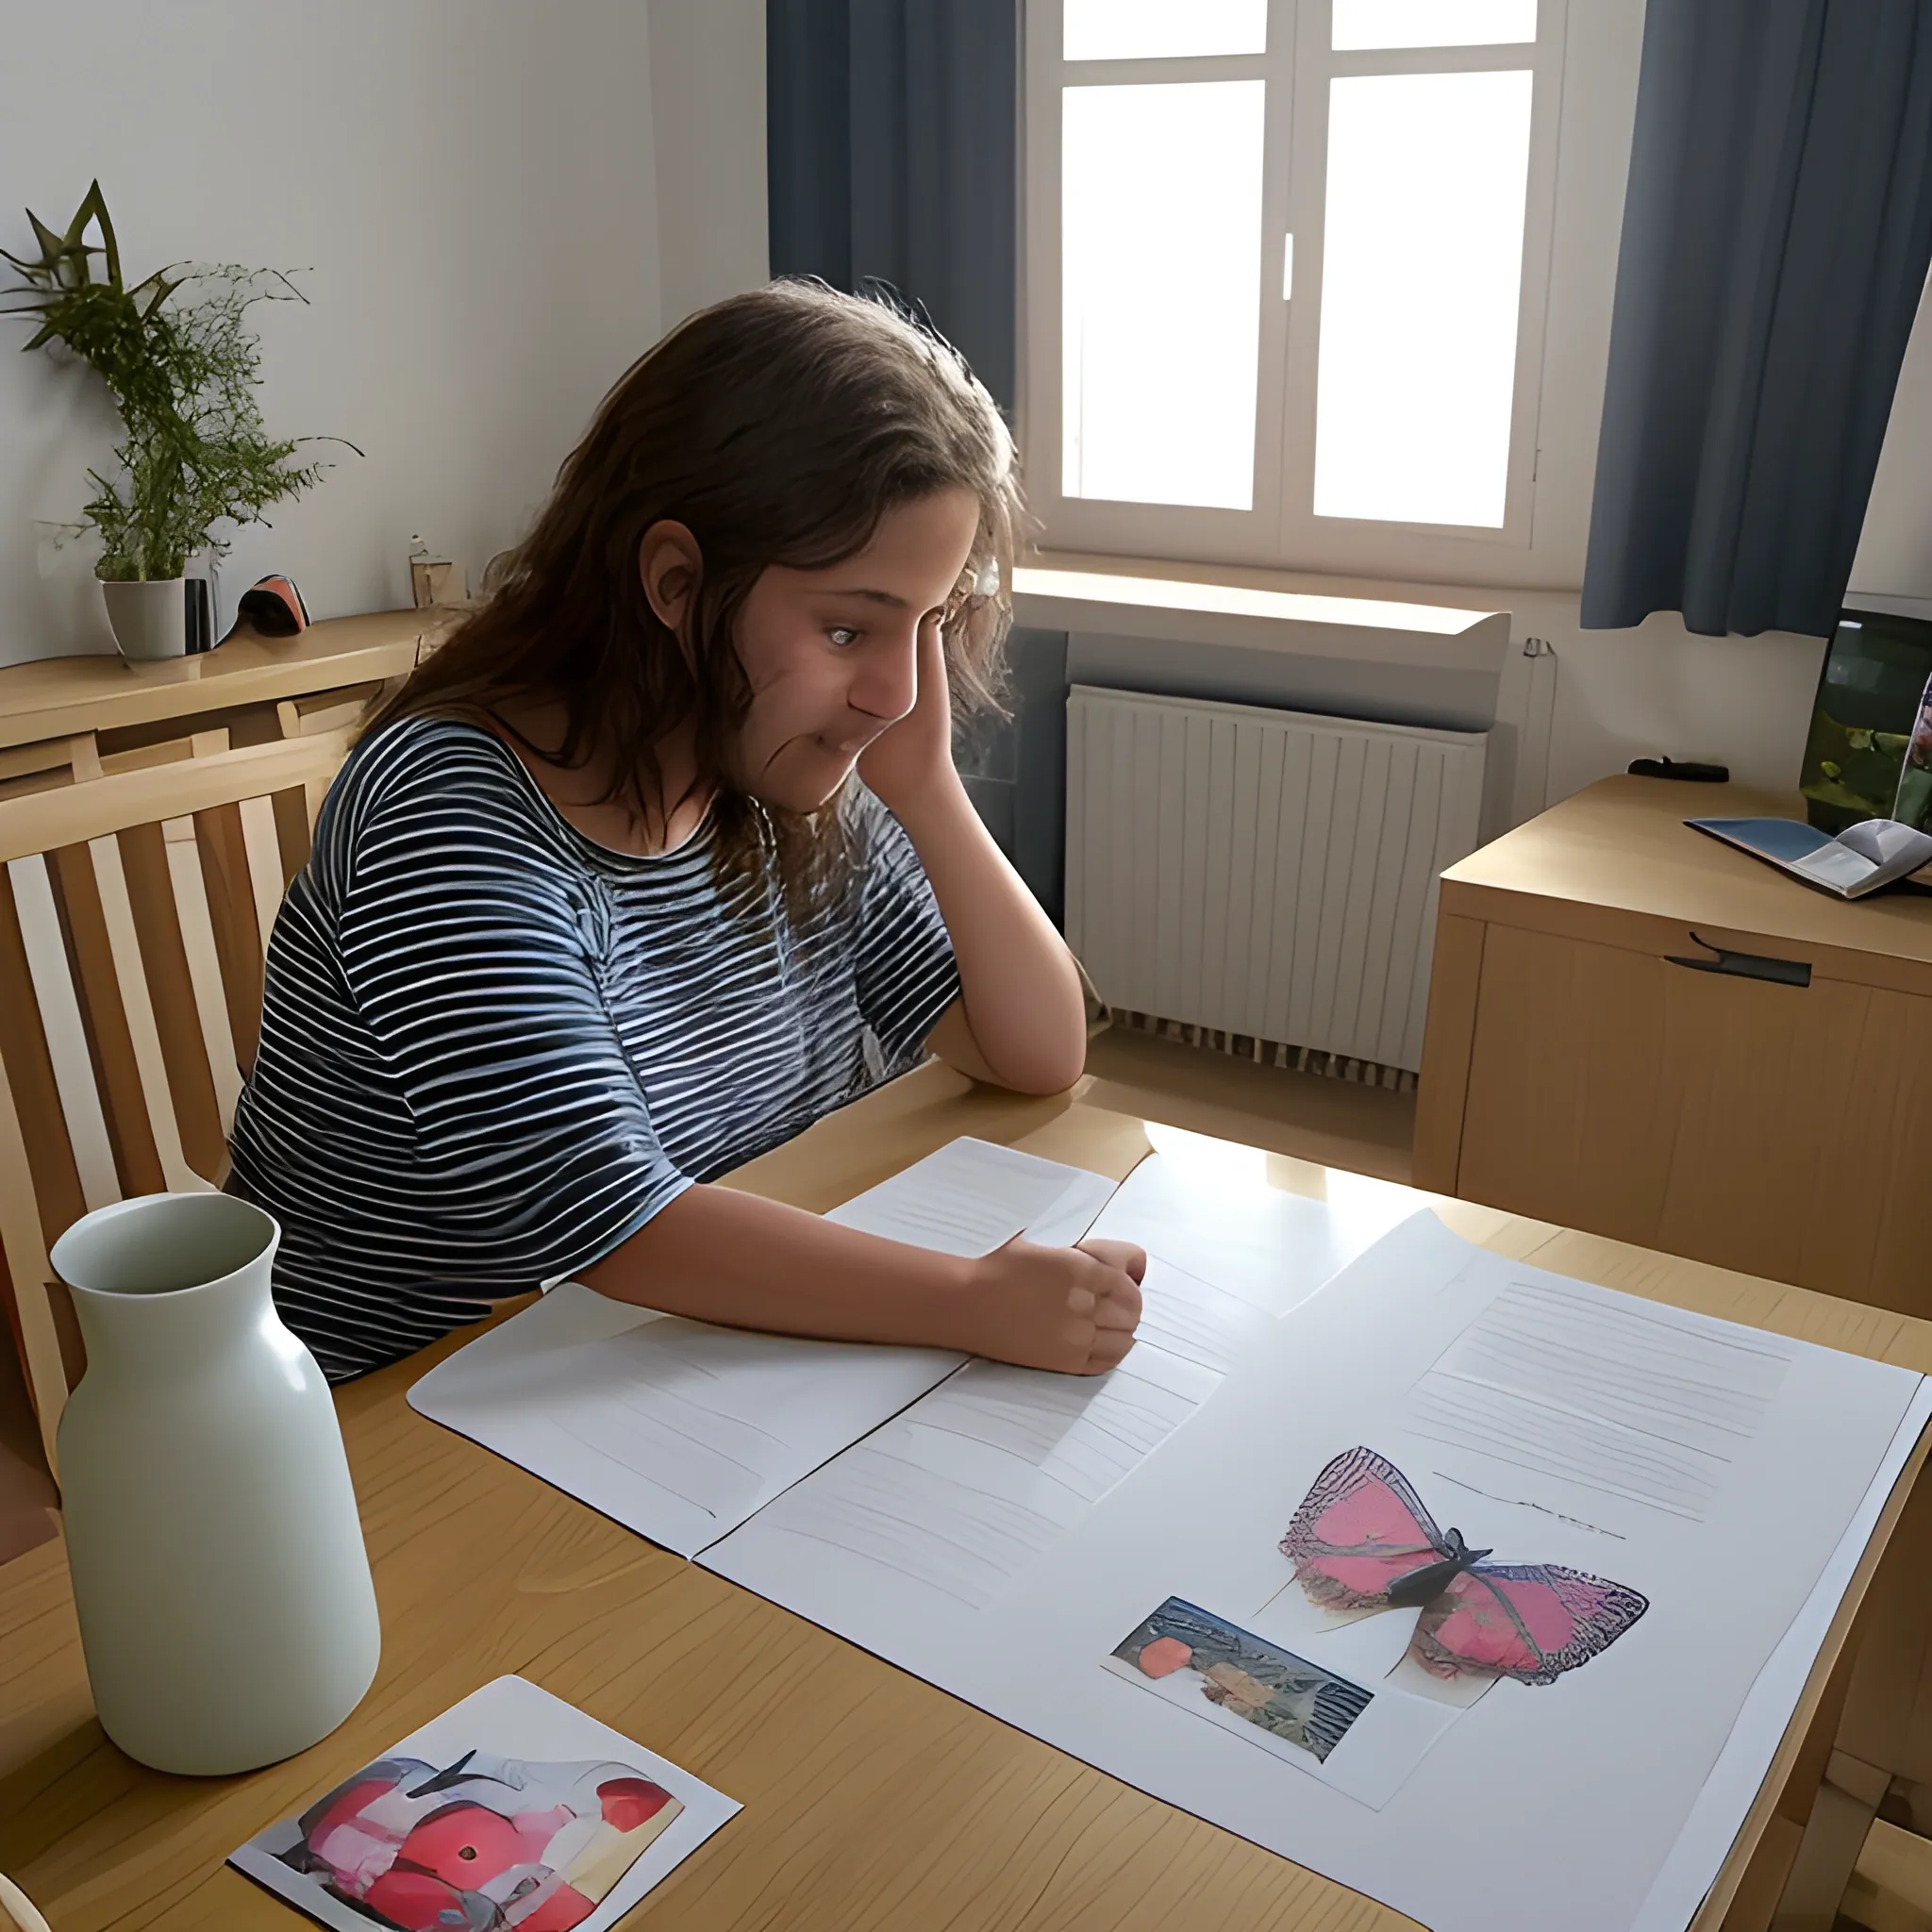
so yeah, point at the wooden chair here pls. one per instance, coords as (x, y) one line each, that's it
(135, 911)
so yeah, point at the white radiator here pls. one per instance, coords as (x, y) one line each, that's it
(1271, 873)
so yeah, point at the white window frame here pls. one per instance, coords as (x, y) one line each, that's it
(1281, 528)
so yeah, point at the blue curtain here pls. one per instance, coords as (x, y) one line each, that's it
(1776, 240)
(891, 137)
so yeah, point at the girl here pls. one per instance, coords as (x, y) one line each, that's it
(597, 912)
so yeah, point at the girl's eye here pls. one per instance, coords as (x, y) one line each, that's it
(843, 636)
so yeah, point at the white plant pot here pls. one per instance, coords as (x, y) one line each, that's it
(149, 620)
(219, 1572)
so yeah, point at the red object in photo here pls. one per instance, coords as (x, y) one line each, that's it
(629, 1801)
(415, 1901)
(273, 609)
(1164, 1657)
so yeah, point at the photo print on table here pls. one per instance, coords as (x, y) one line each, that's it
(1362, 1542)
(1189, 1657)
(511, 1813)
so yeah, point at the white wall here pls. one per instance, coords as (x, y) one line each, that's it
(470, 185)
(708, 115)
(1617, 695)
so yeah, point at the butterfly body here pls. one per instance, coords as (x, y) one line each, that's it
(1425, 1585)
(1363, 1541)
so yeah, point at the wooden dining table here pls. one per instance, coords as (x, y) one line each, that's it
(872, 1799)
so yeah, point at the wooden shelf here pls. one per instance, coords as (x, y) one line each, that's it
(55, 697)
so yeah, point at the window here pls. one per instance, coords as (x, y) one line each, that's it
(1286, 268)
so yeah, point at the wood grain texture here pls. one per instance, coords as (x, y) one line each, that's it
(130, 968)
(109, 1039)
(1621, 846)
(874, 1803)
(29, 1075)
(1776, 1130)
(190, 890)
(54, 697)
(171, 989)
(293, 828)
(234, 920)
(1442, 1088)
(76, 813)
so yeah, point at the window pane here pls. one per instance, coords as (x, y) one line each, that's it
(1161, 291)
(1432, 22)
(1147, 29)
(1421, 271)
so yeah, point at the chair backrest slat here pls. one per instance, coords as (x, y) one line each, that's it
(231, 905)
(261, 846)
(190, 887)
(49, 1373)
(135, 912)
(293, 831)
(51, 976)
(104, 1013)
(153, 1090)
(185, 1052)
(29, 1076)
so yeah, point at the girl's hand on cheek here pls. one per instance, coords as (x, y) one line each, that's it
(912, 758)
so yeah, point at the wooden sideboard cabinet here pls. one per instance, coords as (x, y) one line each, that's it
(1577, 1070)
(63, 719)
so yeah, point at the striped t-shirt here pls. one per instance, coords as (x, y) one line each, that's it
(492, 1048)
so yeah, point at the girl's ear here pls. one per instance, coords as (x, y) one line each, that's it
(670, 563)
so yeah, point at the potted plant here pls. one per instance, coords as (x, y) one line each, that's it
(182, 365)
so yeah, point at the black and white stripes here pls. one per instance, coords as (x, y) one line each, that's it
(491, 1049)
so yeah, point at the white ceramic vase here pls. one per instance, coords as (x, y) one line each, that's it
(149, 620)
(223, 1587)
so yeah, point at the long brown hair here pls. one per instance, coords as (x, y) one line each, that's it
(779, 427)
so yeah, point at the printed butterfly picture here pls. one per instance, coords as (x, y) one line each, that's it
(1362, 1540)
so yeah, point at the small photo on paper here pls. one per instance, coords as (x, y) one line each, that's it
(511, 1813)
(1189, 1657)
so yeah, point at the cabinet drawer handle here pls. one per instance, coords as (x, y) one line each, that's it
(1745, 965)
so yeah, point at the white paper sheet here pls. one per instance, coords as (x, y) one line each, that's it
(1256, 1242)
(973, 1196)
(1617, 1397)
(680, 1431)
(957, 1497)
(1191, 1317)
(1730, 1790)
(674, 1429)
(1575, 1793)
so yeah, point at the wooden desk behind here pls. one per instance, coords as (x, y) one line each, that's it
(872, 1799)
(1577, 1070)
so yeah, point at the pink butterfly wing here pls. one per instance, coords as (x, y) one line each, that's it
(1531, 1622)
(1360, 1528)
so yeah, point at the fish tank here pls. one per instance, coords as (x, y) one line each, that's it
(1868, 755)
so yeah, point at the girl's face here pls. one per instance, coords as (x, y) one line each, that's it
(831, 655)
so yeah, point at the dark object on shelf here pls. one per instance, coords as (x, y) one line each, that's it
(1690, 773)
(199, 618)
(273, 608)
(1870, 696)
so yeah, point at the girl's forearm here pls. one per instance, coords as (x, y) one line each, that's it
(746, 1262)
(1020, 988)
